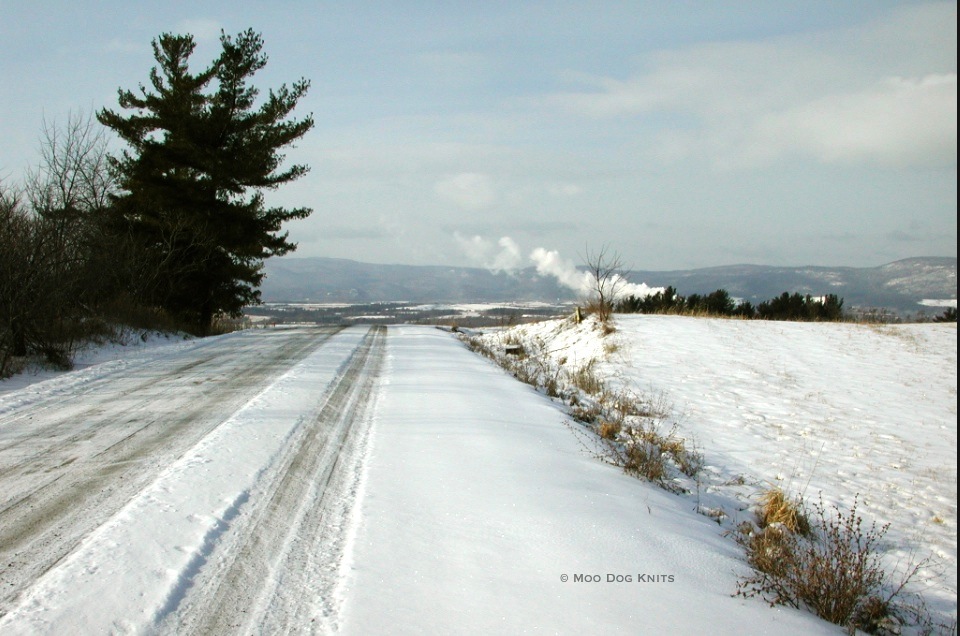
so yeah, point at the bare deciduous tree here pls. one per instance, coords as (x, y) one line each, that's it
(72, 179)
(32, 301)
(14, 231)
(51, 238)
(606, 280)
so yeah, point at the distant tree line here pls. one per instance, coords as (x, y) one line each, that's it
(949, 315)
(786, 306)
(174, 229)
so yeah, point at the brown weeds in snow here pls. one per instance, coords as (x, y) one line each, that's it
(833, 569)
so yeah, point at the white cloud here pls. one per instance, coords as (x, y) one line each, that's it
(468, 190)
(879, 93)
(910, 121)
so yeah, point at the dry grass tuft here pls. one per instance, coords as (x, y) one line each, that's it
(608, 430)
(646, 452)
(644, 460)
(586, 379)
(776, 509)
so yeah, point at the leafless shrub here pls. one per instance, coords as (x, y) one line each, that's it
(687, 458)
(14, 232)
(38, 298)
(130, 315)
(54, 261)
(588, 413)
(654, 407)
(72, 179)
(643, 450)
(643, 458)
(478, 345)
(834, 569)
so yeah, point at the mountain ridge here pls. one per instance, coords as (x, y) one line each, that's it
(899, 286)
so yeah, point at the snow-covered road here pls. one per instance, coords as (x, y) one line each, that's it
(169, 493)
(356, 481)
(73, 453)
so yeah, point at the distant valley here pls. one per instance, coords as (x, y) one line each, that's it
(898, 287)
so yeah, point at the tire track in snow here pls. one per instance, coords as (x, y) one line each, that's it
(277, 571)
(14, 407)
(57, 490)
(35, 432)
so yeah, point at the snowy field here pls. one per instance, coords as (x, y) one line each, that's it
(837, 410)
(327, 481)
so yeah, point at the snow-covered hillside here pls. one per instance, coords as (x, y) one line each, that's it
(835, 409)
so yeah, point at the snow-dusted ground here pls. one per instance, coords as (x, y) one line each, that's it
(134, 346)
(483, 515)
(834, 409)
(436, 494)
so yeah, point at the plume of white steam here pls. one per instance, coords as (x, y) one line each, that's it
(640, 290)
(548, 263)
(507, 259)
(475, 247)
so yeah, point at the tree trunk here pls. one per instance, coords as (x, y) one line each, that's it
(18, 337)
(206, 318)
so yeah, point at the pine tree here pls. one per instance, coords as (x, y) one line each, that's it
(202, 153)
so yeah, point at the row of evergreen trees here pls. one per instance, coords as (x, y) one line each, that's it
(719, 303)
(177, 223)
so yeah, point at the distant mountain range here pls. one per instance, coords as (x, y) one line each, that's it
(899, 286)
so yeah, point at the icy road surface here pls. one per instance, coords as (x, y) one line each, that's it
(119, 487)
(354, 481)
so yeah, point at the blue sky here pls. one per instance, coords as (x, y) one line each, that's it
(679, 134)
